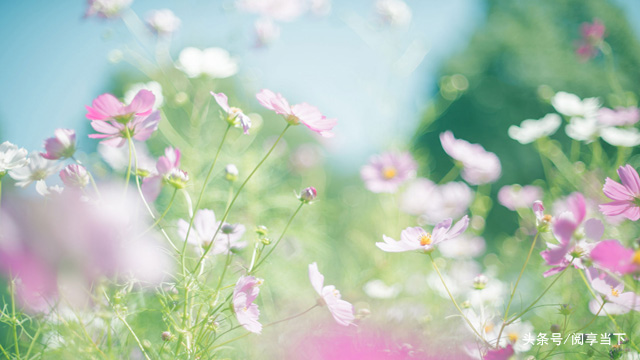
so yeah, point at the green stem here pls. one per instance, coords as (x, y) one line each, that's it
(451, 175)
(126, 324)
(226, 213)
(128, 175)
(164, 213)
(456, 304)
(513, 292)
(277, 241)
(14, 320)
(611, 70)
(539, 297)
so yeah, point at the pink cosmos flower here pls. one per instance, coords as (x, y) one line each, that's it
(386, 172)
(625, 196)
(611, 255)
(205, 226)
(618, 301)
(341, 310)
(619, 117)
(107, 107)
(478, 165)
(515, 197)
(415, 238)
(500, 354)
(61, 146)
(564, 227)
(168, 172)
(115, 133)
(235, 116)
(75, 175)
(303, 113)
(244, 295)
(434, 203)
(592, 36)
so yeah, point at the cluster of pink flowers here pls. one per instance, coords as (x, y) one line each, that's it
(592, 36)
(478, 165)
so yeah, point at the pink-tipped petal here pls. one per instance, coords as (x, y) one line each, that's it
(630, 179)
(222, 101)
(142, 103)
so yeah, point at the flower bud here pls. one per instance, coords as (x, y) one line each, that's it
(61, 146)
(75, 176)
(177, 178)
(363, 313)
(480, 282)
(231, 173)
(262, 231)
(266, 241)
(555, 328)
(167, 336)
(308, 195)
(565, 309)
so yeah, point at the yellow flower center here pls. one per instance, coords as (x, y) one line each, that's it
(425, 239)
(389, 172)
(546, 218)
(615, 292)
(636, 258)
(513, 337)
(488, 328)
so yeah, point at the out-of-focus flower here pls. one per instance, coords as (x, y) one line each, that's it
(305, 157)
(267, 31)
(235, 116)
(463, 247)
(592, 36)
(205, 226)
(514, 335)
(625, 196)
(479, 166)
(107, 107)
(303, 113)
(75, 175)
(617, 301)
(44, 190)
(106, 8)
(386, 172)
(394, 12)
(118, 158)
(153, 86)
(611, 255)
(231, 172)
(377, 289)
(308, 195)
(515, 197)
(61, 146)
(38, 168)
(583, 129)
(628, 137)
(168, 171)
(434, 203)
(500, 354)
(115, 133)
(281, 10)
(415, 238)
(341, 310)
(480, 282)
(247, 312)
(89, 239)
(538, 210)
(163, 22)
(619, 117)
(216, 63)
(12, 157)
(531, 130)
(571, 105)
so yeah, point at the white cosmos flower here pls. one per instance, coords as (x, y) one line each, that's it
(583, 129)
(615, 136)
(152, 86)
(163, 21)
(44, 190)
(515, 333)
(571, 105)
(394, 12)
(12, 157)
(38, 168)
(213, 62)
(531, 130)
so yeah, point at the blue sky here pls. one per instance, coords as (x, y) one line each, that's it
(55, 62)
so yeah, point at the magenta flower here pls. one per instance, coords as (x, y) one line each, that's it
(303, 113)
(478, 165)
(386, 172)
(244, 294)
(500, 354)
(116, 133)
(341, 310)
(308, 195)
(515, 197)
(625, 196)
(235, 116)
(168, 172)
(61, 146)
(611, 255)
(415, 238)
(75, 175)
(107, 107)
